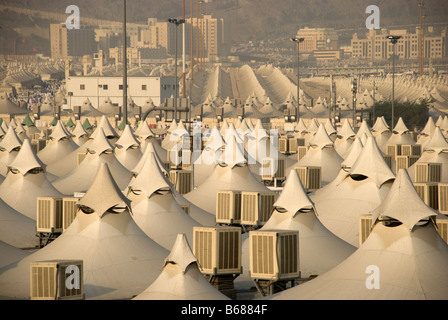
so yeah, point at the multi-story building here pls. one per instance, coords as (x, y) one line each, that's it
(71, 43)
(318, 39)
(376, 46)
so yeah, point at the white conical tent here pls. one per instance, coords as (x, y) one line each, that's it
(180, 278)
(381, 133)
(119, 260)
(99, 151)
(352, 155)
(79, 134)
(59, 145)
(426, 133)
(9, 148)
(322, 153)
(26, 181)
(353, 193)
(319, 249)
(345, 138)
(127, 149)
(107, 107)
(396, 262)
(154, 208)
(400, 135)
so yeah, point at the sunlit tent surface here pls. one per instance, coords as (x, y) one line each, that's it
(181, 278)
(402, 259)
(10, 254)
(119, 260)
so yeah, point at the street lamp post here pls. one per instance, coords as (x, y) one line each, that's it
(354, 91)
(393, 40)
(125, 68)
(176, 22)
(298, 41)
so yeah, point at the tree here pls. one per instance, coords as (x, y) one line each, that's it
(414, 114)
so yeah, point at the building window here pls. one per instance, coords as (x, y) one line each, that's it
(120, 87)
(82, 86)
(144, 87)
(105, 87)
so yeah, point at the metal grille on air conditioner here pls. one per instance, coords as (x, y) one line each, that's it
(274, 255)
(429, 193)
(69, 211)
(411, 150)
(428, 172)
(389, 160)
(218, 249)
(443, 198)
(283, 145)
(228, 207)
(310, 177)
(273, 168)
(256, 208)
(292, 145)
(182, 180)
(365, 226)
(56, 280)
(49, 215)
(393, 150)
(301, 152)
(404, 162)
(442, 228)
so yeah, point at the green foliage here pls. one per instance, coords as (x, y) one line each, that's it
(414, 114)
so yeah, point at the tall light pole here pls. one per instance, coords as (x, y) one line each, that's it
(176, 22)
(354, 92)
(125, 68)
(298, 41)
(393, 40)
(421, 43)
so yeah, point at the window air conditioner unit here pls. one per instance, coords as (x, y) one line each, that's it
(182, 180)
(443, 198)
(274, 254)
(365, 227)
(49, 215)
(428, 172)
(292, 145)
(393, 150)
(56, 280)
(69, 211)
(429, 192)
(283, 145)
(404, 162)
(256, 207)
(301, 152)
(310, 177)
(273, 168)
(442, 228)
(389, 160)
(228, 207)
(411, 150)
(218, 249)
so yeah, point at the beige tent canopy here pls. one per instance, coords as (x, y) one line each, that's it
(400, 260)
(180, 278)
(127, 149)
(26, 181)
(119, 260)
(9, 148)
(10, 254)
(353, 193)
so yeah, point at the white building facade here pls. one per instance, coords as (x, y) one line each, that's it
(97, 89)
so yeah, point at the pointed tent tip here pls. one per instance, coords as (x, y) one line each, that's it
(104, 196)
(403, 203)
(181, 253)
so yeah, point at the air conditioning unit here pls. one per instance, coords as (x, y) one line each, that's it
(442, 228)
(81, 157)
(404, 162)
(310, 177)
(186, 208)
(218, 249)
(292, 145)
(411, 150)
(38, 144)
(274, 254)
(283, 145)
(301, 152)
(182, 180)
(393, 150)
(428, 172)
(389, 160)
(228, 207)
(300, 142)
(256, 207)
(69, 210)
(268, 165)
(56, 280)
(429, 192)
(49, 215)
(443, 198)
(187, 159)
(365, 226)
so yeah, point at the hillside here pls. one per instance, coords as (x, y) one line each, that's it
(245, 19)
